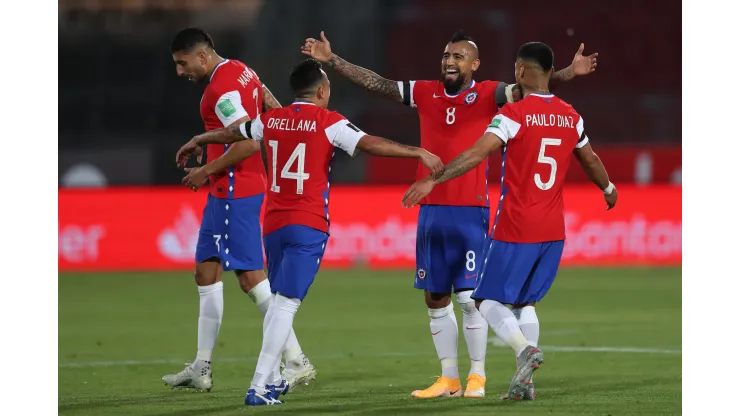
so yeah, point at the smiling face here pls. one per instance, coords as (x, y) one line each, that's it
(459, 61)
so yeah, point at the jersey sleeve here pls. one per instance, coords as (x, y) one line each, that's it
(582, 138)
(504, 94)
(504, 125)
(229, 108)
(253, 129)
(407, 89)
(344, 135)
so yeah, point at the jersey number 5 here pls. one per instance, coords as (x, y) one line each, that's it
(299, 175)
(548, 161)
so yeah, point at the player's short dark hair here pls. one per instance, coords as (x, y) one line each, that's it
(537, 53)
(188, 38)
(305, 77)
(460, 36)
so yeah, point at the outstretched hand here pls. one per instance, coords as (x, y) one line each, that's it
(584, 65)
(319, 50)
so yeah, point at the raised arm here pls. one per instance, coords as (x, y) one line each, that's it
(581, 65)
(369, 80)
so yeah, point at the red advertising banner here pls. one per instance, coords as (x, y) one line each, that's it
(639, 165)
(118, 229)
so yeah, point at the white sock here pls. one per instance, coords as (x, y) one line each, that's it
(261, 296)
(528, 323)
(475, 330)
(274, 338)
(444, 333)
(504, 323)
(209, 319)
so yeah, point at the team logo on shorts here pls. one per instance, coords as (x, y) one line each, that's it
(470, 98)
(421, 273)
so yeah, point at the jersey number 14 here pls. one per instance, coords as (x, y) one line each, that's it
(299, 156)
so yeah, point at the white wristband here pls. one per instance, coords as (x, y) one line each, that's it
(243, 130)
(609, 189)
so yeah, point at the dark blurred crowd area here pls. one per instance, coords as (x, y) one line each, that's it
(123, 112)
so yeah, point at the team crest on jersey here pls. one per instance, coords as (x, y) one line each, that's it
(421, 273)
(471, 97)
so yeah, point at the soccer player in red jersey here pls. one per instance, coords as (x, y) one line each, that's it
(538, 135)
(230, 236)
(454, 219)
(301, 140)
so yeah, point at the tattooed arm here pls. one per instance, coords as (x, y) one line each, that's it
(561, 77)
(581, 65)
(463, 163)
(369, 80)
(268, 100)
(467, 160)
(366, 78)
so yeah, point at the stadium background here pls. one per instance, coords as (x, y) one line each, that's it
(611, 329)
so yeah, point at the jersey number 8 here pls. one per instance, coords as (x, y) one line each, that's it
(299, 175)
(548, 161)
(450, 115)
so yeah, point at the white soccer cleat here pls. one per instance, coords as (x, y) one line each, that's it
(299, 375)
(199, 378)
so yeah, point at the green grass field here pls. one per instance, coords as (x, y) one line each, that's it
(368, 335)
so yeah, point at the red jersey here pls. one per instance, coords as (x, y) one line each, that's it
(449, 126)
(234, 91)
(300, 140)
(540, 133)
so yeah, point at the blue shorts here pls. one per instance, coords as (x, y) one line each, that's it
(449, 247)
(230, 232)
(516, 273)
(294, 253)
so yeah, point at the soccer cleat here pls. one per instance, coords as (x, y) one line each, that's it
(443, 387)
(279, 389)
(476, 386)
(260, 399)
(526, 364)
(199, 378)
(299, 375)
(530, 393)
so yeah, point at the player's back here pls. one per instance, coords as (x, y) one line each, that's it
(233, 91)
(451, 124)
(299, 140)
(542, 132)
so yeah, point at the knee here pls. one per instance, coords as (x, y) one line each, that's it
(206, 275)
(287, 304)
(437, 300)
(438, 313)
(467, 304)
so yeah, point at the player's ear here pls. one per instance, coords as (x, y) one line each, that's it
(476, 64)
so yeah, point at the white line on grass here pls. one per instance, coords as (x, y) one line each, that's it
(497, 342)
(631, 350)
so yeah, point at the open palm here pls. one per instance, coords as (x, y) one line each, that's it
(584, 65)
(319, 50)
